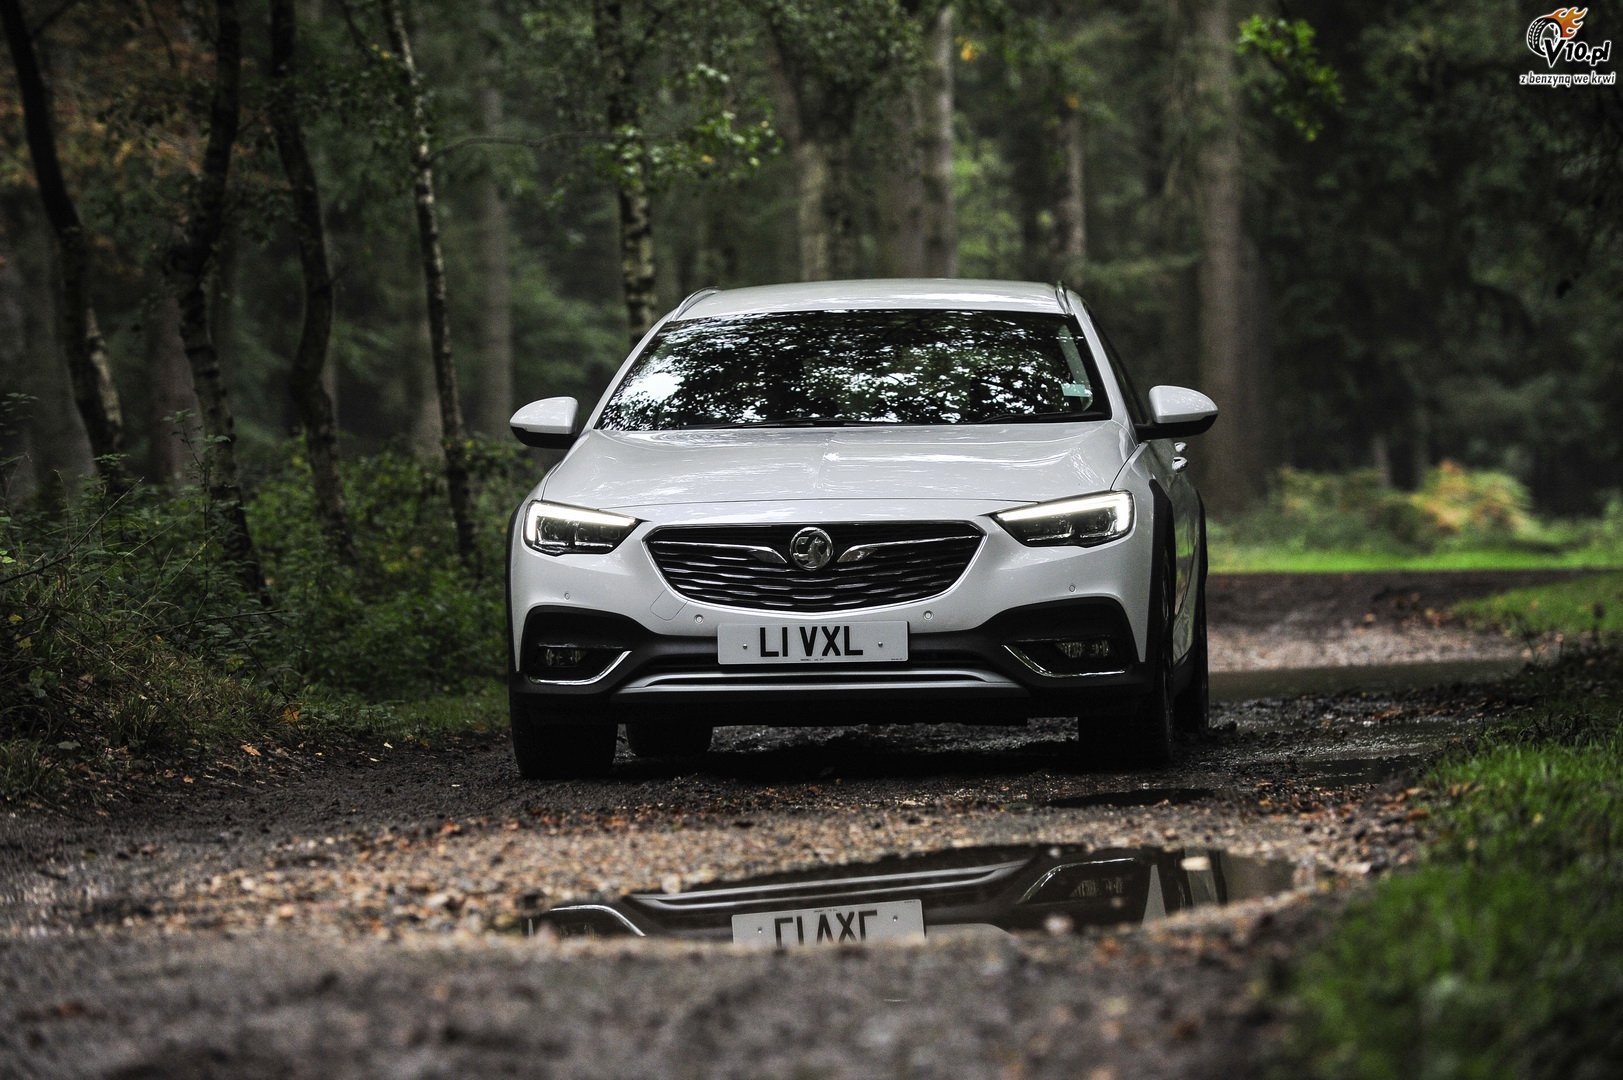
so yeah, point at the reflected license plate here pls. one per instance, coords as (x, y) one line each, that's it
(854, 924)
(800, 643)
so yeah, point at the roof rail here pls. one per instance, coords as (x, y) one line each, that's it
(1063, 295)
(692, 299)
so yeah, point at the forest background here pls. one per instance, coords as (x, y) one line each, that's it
(1350, 224)
(275, 273)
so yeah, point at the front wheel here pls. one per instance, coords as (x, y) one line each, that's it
(1192, 707)
(1147, 739)
(549, 746)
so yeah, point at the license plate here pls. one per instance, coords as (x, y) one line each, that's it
(854, 924)
(811, 643)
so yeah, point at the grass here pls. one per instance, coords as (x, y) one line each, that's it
(425, 721)
(1236, 558)
(1502, 955)
(1587, 605)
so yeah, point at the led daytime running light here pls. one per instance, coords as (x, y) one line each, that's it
(556, 529)
(1083, 521)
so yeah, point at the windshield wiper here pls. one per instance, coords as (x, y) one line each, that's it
(1033, 418)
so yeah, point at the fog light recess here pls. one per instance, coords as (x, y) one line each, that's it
(564, 662)
(1069, 656)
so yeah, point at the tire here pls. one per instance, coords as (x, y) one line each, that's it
(552, 747)
(1147, 738)
(1191, 709)
(670, 737)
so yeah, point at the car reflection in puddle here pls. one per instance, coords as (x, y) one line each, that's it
(962, 891)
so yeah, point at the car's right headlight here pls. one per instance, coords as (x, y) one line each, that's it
(1083, 521)
(556, 529)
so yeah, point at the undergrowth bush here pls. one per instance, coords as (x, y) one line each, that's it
(125, 635)
(407, 618)
(1454, 508)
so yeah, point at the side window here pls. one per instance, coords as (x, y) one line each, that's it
(1137, 407)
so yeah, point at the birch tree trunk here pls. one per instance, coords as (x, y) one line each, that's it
(453, 440)
(80, 338)
(188, 267)
(305, 382)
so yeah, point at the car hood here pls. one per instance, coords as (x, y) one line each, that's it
(1012, 462)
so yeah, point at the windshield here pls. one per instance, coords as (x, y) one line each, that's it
(836, 368)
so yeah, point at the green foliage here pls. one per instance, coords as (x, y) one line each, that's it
(1443, 254)
(123, 636)
(1359, 511)
(407, 619)
(693, 120)
(1298, 86)
(1503, 954)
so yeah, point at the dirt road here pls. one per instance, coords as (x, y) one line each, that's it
(360, 917)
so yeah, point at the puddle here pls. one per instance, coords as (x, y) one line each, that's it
(1291, 682)
(1373, 770)
(949, 893)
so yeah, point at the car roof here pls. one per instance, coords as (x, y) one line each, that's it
(874, 294)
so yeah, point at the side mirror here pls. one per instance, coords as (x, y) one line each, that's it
(1177, 412)
(548, 423)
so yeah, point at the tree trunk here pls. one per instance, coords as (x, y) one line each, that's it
(18, 478)
(30, 353)
(839, 205)
(452, 439)
(81, 340)
(900, 229)
(494, 402)
(630, 167)
(1233, 463)
(175, 432)
(811, 191)
(799, 124)
(939, 210)
(188, 270)
(1070, 214)
(305, 383)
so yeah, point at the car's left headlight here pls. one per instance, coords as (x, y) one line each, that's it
(1083, 521)
(556, 529)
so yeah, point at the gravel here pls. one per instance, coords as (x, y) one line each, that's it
(358, 916)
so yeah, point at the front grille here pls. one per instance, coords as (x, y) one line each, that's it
(751, 566)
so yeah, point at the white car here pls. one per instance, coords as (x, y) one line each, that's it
(859, 501)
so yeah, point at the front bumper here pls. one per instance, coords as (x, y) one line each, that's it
(623, 641)
(1001, 669)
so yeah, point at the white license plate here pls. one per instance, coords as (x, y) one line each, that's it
(811, 643)
(853, 924)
